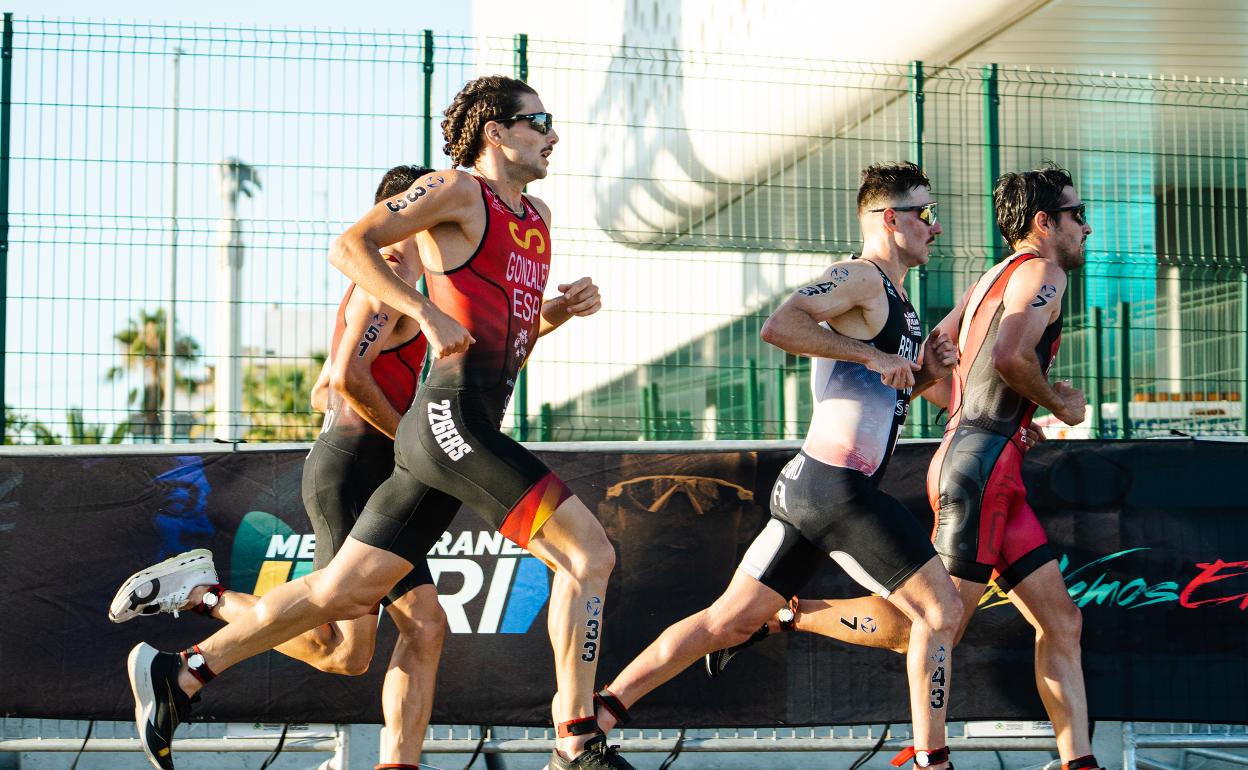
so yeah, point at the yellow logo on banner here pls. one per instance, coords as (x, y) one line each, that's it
(529, 235)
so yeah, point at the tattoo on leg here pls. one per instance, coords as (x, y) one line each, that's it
(593, 608)
(1045, 294)
(866, 625)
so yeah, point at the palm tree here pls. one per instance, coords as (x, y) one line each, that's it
(278, 400)
(20, 429)
(142, 344)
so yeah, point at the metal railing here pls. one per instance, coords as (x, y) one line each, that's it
(172, 191)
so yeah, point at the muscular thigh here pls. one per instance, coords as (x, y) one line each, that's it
(843, 513)
(452, 443)
(978, 484)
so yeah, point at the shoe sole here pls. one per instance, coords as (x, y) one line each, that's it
(120, 604)
(139, 667)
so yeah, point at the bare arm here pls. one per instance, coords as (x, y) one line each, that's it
(579, 298)
(940, 355)
(320, 389)
(436, 199)
(370, 324)
(795, 326)
(1032, 301)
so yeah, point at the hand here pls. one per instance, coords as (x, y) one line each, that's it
(1030, 436)
(895, 371)
(446, 336)
(1074, 405)
(939, 355)
(580, 297)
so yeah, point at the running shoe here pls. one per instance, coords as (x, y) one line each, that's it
(164, 587)
(717, 661)
(596, 756)
(159, 703)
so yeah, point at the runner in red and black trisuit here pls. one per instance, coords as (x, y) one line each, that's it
(369, 380)
(486, 250)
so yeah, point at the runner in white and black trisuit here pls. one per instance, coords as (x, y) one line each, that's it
(869, 357)
(486, 250)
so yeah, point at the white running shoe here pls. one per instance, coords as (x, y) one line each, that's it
(164, 587)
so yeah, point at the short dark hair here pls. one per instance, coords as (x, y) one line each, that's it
(477, 103)
(1017, 198)
(887, 181)
(397, 180)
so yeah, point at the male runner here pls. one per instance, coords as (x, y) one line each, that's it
(1008, 325)
(486, 253)
(368, 381)
(865, 339)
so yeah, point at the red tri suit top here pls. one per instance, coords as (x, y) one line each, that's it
(396, 370)
(981, 399)
(497, 296)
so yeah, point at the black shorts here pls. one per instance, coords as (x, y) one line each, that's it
(337, 483)
(821, 511)
(449, 444)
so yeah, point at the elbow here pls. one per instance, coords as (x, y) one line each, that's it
(1007, 363)
(342, 379)
(770, 332)
(337, 253)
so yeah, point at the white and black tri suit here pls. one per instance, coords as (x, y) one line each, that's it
(827, 501)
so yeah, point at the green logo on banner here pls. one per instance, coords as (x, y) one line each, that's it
(267, 553)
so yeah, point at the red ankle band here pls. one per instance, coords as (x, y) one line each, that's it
(580, 726)
(196, 665)
(206, 606)
(1080, 763)
(396, 766)
(930, 757)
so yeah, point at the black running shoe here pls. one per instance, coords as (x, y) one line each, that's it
(159, 703)
(596, 756)
(717, 661)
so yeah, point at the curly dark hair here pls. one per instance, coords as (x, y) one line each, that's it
(1017, 198)
(478, 102)
(889, 181)
(397, 180)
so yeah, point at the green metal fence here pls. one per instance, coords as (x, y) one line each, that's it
(199, 173)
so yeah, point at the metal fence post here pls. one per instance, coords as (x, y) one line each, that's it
(1128, 746)
(643, 412)
(428, 70)
(918, 279)
(992, 160)
(1124, 369)
(1098, 373)
(1243, 348)
(545, 416)
(781, 410)
(652, 392)
(6, 132)
(522, 378)
(752, 398)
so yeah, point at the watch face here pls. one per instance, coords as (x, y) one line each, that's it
(195, 661)
(922, 758)
(786, 615)
(209, 600)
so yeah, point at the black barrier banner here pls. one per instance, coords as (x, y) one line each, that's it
(1152, 539)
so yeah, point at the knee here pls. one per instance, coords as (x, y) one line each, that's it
(1064, 627)
(593, 559)
(352, 660)
(727, 628)
(943, 616)
(424, 630)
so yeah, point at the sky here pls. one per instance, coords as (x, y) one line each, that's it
(452, 17)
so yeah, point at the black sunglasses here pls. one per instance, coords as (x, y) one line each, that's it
(1077, 213)
(927, 212)
(540, 122)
